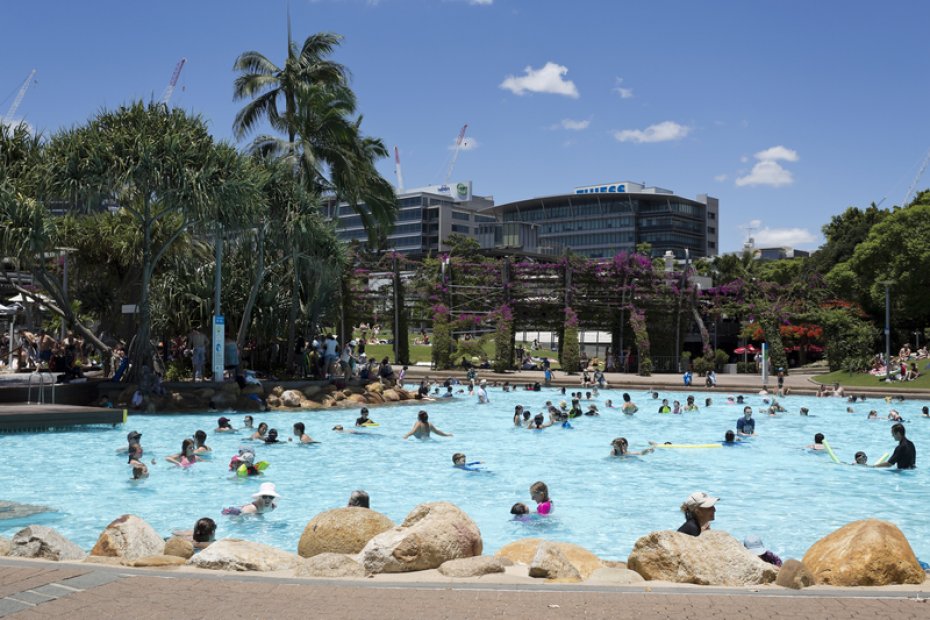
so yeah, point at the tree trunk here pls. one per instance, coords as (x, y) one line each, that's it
(142, 354)
(258, 278)
(705, 336)
(292, 316)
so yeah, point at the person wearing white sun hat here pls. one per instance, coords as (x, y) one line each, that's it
(699, 512)
(264, 501)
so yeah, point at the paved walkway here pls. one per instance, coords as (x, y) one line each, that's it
(43, 590)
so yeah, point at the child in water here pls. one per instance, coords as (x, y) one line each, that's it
(521, 512)
(540, 494)
(458, 461)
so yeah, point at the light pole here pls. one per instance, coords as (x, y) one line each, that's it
(887, 284)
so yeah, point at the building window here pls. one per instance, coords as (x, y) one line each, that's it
(458, 215)
(711, 215)
(711, 229)
(458, 228)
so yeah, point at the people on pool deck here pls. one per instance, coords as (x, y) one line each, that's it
(247, 421)
(423, 427)
(264, 501)
(621, 447)
(540, 494)
(363, 419)
(746, 426)
(628, 407)
(860, 458)
(260, 433)
(905, 454)
(687, 377)
(223, 426)
(818, 443)
(699, 511)
(139, 469)
(458, 461)
(186, 456)
(754, 544)
(272, 436)
(300, 431)
(201, 447)
(359, 499)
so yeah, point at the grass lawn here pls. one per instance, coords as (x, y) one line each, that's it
(864, 379)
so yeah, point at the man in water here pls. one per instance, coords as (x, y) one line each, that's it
(905, 455)
(483, 392)
(746, 426)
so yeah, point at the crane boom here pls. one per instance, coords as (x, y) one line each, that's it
(458, 147)
(169, 90)
(8, 119)
(920, 173)
(397, 171)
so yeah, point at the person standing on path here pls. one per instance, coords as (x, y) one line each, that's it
(198, 343)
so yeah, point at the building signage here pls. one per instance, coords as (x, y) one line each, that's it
(613, 188)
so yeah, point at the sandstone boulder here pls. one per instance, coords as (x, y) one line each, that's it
(241, 555)
(713, 558)
(390, 396)
(329, 388)
(277, 390)
(179, 547)
(341, 530)
(550, 563)
(291, 398)
(616, 576)
(357, 399)
(273, 401)
(5, 545)
(793, 574)
(311, 390)
(38, 541)
(338, 396)
(160, 561)
(330, 565)
(524, 551)
(375, 387)
(864, 553)
(128, 537)
(432, 534)
(374, 398)
(472, 567)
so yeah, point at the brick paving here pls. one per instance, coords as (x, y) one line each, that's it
(111, 593)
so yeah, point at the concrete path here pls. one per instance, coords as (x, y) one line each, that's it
(45, 590)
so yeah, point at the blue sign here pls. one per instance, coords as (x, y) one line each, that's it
(616, 188)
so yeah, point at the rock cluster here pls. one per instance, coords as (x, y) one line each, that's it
(38, 541)
(130, 538)
(342, 530)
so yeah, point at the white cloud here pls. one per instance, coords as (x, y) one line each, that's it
(744, 159)
(573, 125)
(625, 93)
(660, 132)
(767, 171)
(783, 237)
(547, 79)
(468, 144)
(720, 178)
(777, 152)
(481, 2)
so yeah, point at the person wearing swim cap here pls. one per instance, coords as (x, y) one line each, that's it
(699, 511)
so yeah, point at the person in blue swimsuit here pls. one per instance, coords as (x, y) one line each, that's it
(458, 461)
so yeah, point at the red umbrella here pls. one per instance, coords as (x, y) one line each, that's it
(747, 349)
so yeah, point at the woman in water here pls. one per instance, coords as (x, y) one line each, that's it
(518, 415)
(620, 447)
(628, 407)
(540, 494)
(186, 456)
(423, 427)
(538, 423)
(260, 433)
(139, 469)
(699, 511)
(201, 447)
(264, 501)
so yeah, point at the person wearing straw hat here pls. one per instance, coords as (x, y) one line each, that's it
(699, 512)
(264, 501)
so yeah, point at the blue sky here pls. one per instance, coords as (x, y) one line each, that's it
(787, 111)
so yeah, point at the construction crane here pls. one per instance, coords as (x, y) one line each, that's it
(458, 147)
(920, 173)
(400, 175)
(8, 119)
(169, 90)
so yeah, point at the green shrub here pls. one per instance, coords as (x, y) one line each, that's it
(701, 366)
(721, 359)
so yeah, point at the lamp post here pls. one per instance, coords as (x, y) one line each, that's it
(887, 284)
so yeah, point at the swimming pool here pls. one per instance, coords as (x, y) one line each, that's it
(772, 487)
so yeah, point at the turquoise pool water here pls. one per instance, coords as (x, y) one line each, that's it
(772, 487)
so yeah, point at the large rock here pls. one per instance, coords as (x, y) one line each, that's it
(550, 563)
(5, 545)
(38, 541)
(375, 387)
(524, 551)
(390, 396)
(615, 576)
(330, 565)
(160, 561)
(241, 555)
(130, 538)
(793, 574)
(431, 534)
(179, 547)
(864, 553)
(713, 558)
(342, 530)
(291, 398)
(311, 390)
(472, 567)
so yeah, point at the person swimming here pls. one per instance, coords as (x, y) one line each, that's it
(860, 458)
(244, 463)
(818, 443)
(458, 461)
(200, 439)
(538, 423)
(264, 501)
(540, 494)
(629, 407)
(186, 457)
(260, 433)
(300, 433)
(223, 426)
(363, 419)
(620, 447)
(423, 427)
(139, 469)
(272, 436)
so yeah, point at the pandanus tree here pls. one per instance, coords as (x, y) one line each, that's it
(164, 171)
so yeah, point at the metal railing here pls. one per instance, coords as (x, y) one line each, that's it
(40, 376)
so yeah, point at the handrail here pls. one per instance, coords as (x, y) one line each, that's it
(41, 376)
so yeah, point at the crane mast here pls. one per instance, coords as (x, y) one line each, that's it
(459, 141)
(8, 119)
(169, 90)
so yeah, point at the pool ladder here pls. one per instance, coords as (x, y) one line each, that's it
(40, 377)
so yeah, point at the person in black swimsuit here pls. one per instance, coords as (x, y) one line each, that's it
(905, 455)
(699, 512)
